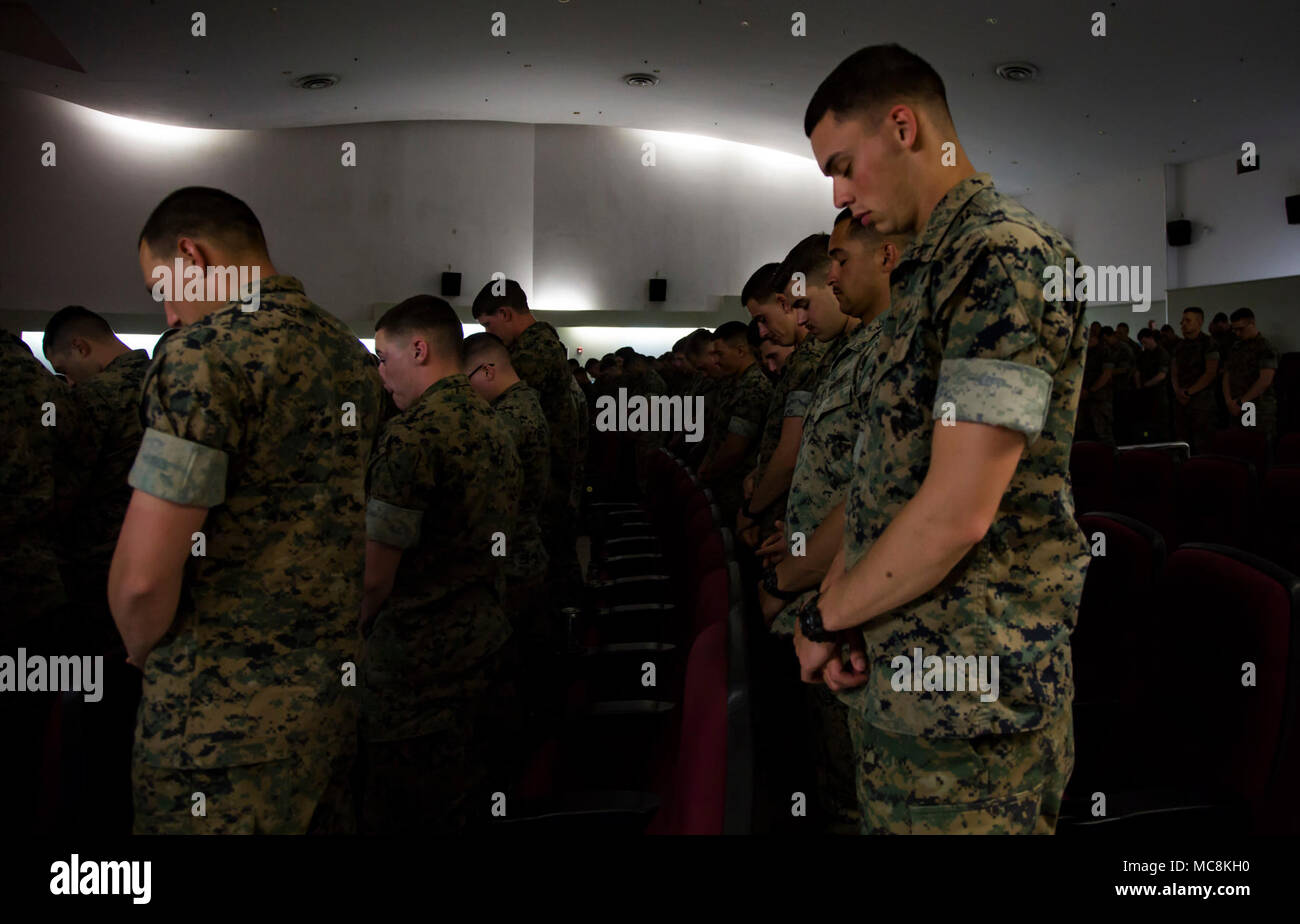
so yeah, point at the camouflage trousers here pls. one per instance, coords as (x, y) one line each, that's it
(833, 748)
(1194, 422)
(991, 784)
(304, 794)
(1097, 419)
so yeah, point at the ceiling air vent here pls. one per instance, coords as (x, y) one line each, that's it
(316, 81)
(641, 80)
(1018, 71)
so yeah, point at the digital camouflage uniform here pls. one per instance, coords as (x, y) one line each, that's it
(706, 387)
(742, 404)
(1194, 421)
(969, 333)
(1122, 389)
(820, 480)
(444, 482)
(267, 418)
(109, 405)
(525, 568)
(1098, 409)
(540, 359)
(41, 433)
(1154, 419)
(791, 395)
(1244, 364)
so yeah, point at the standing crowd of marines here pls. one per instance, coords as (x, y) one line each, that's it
(310, 555)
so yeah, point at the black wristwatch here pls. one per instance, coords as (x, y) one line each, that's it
(810, 623)
(771, 588)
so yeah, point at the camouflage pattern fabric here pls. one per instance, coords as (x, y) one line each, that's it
(791, 395)
(444, 482)
(1194, 421)
(1154, 400)
(1097, 410)
(302, 794)
(970, 335)
(109, 405)
(520, 410)
(989, 784)
(1244, 364)
(741, 411)
(268, 418)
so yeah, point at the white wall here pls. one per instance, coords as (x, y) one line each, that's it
(705, 216)
(1239, 228)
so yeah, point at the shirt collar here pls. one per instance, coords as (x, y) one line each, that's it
(945, 213)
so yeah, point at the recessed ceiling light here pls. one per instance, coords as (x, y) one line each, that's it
(316, 81)
(992, 20)
(1017, 71)
(640, 80)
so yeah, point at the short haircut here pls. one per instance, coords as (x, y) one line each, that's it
(1108, 331)
(697, 341)
(484, 346)
(872, 78)
(1196, 311)
(810, 257)
(856, 228)
(487, 303)
(733, 333)
(1146, 333)
(763, 284)
(1121, 324)
(1166, 329)
(428, 315)
(73, 321)
(590, 362)
(1243, 314)
(201, 211)
(1221, 316)
(627, 354)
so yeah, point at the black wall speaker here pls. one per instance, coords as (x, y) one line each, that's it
(450, 284)
(1179, 233)
(1293, 210)
(658, 290)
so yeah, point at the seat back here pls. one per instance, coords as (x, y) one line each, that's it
(1145, 486)
(1216, 500)
(1092, 475)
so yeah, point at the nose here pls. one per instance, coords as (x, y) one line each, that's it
(840, 193)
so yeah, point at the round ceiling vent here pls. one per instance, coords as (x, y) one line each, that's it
(1017, 71)
(316, 81)
(641, 80)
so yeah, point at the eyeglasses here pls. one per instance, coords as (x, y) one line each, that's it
(479, 368)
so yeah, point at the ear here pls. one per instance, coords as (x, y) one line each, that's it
(904, 125)
(82, 346)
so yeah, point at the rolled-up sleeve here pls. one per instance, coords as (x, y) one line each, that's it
(997, 368)
(179, 470)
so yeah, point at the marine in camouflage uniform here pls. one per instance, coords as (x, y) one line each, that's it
(742, 404)
(1194, 421)
(969, 326)
(791, 395)
(703, 386)
(109, 405)
(1247, 359)
(1097, 409)
(818, 485)
(540, 359)
(1155, 400)
(244, 698)
(525, 570)
(445, 480)
(36, 462)
(1122, 388)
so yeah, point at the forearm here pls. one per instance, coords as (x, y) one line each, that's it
(1255, 390)
(1202, 383)
(142, 611)
(803, 572)
(1155, 379)
(372, 600)
(918, 549)
(776, 478)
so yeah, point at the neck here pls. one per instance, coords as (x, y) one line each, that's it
(936, 184)
(504, 383)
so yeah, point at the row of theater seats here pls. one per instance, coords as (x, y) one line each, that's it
(1187, 663)
(656, 735)
(1233, 496)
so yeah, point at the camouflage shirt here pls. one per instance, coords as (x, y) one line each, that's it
(1192, 357)
(1151, 363)
(1125, 363)
(444, 487)
(267, 418)
(41, 432)
(970, 335)
(791, 395)
(741, 406)
(1100, 359)
(110, 407)
(520, 410)
(824, 466)
(1247, 359)
(541, 360)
